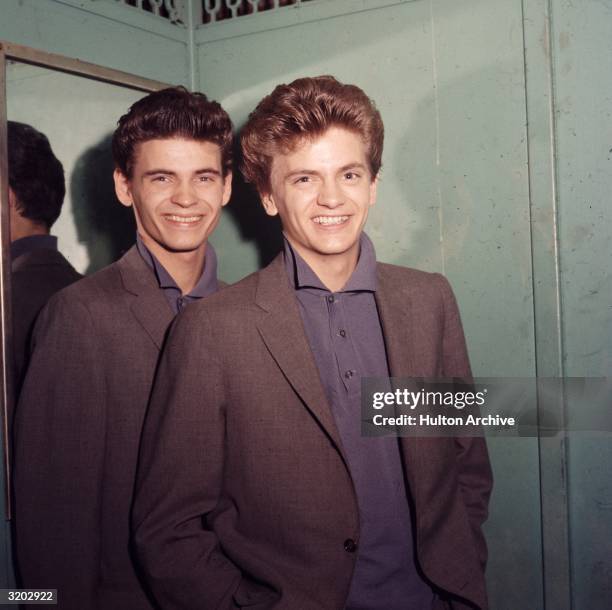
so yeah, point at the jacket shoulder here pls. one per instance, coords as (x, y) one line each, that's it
(407, 277)
(102, 287)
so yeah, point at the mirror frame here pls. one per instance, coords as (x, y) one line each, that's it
(60, 63)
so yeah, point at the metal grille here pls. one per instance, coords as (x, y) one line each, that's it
(162, 8)
(220, 10)
(212, 11)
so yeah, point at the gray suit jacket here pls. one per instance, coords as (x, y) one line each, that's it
(78, 423)
(244, 497)
(35, 277)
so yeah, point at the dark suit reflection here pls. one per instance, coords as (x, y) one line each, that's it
(38, 271)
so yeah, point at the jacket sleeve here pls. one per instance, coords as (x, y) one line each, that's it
(180, 473)
(58, 457)
(475, 476)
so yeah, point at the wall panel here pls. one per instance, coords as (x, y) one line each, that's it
(583, 87)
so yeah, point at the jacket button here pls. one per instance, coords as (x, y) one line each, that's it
(350, 546)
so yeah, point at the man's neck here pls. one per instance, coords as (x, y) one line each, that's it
(334, 270)
(185, 268)
(20, 230)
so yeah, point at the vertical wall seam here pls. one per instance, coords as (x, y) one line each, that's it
(544, 238)
(192, 51)
(554, 181)
(434, 70)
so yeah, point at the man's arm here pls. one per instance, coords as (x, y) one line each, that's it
(180, 474)
(475, 477)
(59, 455)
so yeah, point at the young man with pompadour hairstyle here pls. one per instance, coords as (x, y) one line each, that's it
(255, 486)
(96, 347)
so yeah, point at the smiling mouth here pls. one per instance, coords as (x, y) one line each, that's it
(330, 220)
(184, 220)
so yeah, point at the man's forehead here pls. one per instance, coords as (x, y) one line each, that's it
(334, 133)
(186, 151)
(174, 143)
(334, 146)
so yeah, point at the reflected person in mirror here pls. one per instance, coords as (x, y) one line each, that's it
(95, 350)
(255, 486)
(38, 269)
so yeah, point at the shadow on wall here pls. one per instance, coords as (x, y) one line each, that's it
(103, 225)
(250, 218)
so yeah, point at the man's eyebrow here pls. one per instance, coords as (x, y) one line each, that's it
(301, 172)
(208, 170)
(169, 172)
(355, 165)
(311, 172)
(153, 172)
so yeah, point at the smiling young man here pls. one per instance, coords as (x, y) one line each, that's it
(255, 485)
(95, 350)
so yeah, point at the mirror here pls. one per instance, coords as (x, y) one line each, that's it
(76, 105)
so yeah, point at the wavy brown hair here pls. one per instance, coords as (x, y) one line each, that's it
(305, 109)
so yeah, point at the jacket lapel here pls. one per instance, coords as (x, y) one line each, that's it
(395, 311)
(283, 333)
(150, 307)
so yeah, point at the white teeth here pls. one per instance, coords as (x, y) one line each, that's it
(185, 219)
(330, 220)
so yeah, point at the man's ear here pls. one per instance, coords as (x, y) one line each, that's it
(122, 188)
(374, 189)
(227, 188)
(269, 205)
(12, 199)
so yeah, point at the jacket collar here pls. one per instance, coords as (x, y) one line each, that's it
(150, 307)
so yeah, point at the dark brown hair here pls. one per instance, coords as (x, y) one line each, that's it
(36, 175)
(172, 113)
(306, 108)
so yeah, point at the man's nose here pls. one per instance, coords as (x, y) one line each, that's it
(330, 195)
(184, 194)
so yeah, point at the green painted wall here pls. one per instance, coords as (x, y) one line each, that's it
(583, 86)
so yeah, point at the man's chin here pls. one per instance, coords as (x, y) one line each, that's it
(338, 247)
(183, 248)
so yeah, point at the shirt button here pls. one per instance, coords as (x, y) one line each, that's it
(330, 298)
(342, 332)
(350, 546)
(349, 374)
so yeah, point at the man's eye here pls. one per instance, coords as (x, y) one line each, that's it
(303, 179)
(160, 179)
(351, 175)
(205, 178)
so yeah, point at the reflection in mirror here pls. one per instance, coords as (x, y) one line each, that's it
(78, 115)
